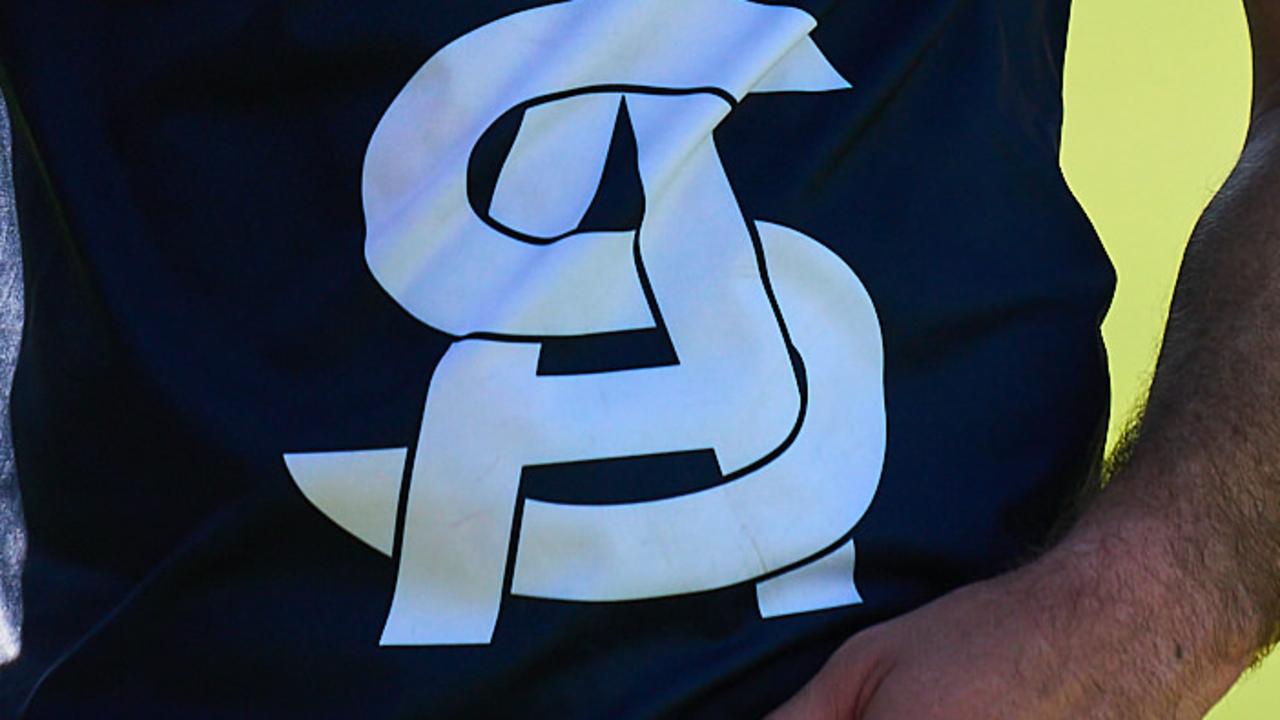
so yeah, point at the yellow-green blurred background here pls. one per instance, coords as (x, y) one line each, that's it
(1157, 95)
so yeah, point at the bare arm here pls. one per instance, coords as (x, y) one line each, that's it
(1195, 500)
(1264, 26)
(1169, 584)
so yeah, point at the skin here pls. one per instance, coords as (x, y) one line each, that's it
(1167, 586)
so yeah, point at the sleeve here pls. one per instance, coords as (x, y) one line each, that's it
(12, 534)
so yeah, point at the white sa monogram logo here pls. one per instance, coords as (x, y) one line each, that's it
(779, 352)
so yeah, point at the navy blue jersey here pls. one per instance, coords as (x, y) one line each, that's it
(598, 358)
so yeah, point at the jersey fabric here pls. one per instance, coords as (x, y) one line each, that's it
(599, 358)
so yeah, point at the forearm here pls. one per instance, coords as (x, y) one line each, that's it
(1184, 543)
(1168, 584)
(1166, 587)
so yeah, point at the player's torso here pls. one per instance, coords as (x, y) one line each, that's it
(597, 358)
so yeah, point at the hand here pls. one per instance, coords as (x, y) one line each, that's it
(1058, 639)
